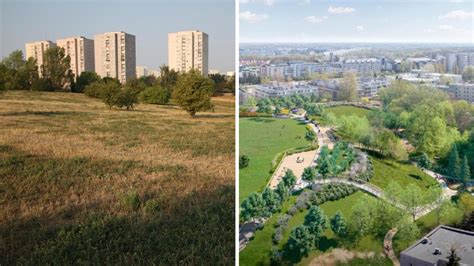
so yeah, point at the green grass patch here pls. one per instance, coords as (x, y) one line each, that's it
(386, 171)
(347, 110)
(262, 139)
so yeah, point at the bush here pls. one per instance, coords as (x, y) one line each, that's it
(152, 206)
(42, 85)
(85, 79)
(131, 201)
(155, 95)
(125, 98)
(244, 161)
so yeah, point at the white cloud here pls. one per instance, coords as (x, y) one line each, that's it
(340, 10)
(265, 2)
(360, 28)
(430, 30)
(458, 14)
(314, 19)
(446, 27)
(252, 17)
(456, 1)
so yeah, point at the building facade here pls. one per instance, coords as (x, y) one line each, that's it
(115, 55)
(81, 52)
(37, 50)
(188, 50)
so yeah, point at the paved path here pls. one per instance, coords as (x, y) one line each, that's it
(388, 246)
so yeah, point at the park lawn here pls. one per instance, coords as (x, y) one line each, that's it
(347, 110)
(262, 139)
(339, 111)
(258, 249)
(115, 186)
(386, 170)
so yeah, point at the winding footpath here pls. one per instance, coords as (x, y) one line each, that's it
(388, 246)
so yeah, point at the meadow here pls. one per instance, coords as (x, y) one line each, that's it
(262, 139)
(82, 183)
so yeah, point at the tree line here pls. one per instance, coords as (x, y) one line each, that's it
(190, 90)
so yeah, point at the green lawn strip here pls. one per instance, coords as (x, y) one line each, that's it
(386, 171)
(262, 139)
(348, 110)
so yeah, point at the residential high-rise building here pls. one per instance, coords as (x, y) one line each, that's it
(81, 52)
(115, 55)
(451, 62)
(188, 50)
(37, 49)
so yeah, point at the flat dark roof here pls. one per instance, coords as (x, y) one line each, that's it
(443, 238)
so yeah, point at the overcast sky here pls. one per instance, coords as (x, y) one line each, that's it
(150, 21)
(356, 21)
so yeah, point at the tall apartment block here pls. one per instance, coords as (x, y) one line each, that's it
(81, 51)
(37, 49)
(115, 55)
(188, 50)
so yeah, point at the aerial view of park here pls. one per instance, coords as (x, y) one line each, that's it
(353, 181)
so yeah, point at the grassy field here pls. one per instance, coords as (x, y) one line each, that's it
(348, 110)
(386, 171)
(262, 139)
(82, 183)
(258, 250)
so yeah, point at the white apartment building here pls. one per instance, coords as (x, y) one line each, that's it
(81, 52)
(115, 55)
(363, 66)
(188, 50)
(37, 49)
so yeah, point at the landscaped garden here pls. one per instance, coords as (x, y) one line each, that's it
(262, 140)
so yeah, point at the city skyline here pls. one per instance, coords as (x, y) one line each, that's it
(306, 21)
(150, 23)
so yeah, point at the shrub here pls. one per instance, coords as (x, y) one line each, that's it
(244, 161)
(131, 201)
(42, 85)
(85, 79)
(152, 206)
(126, 97)
(155, 95)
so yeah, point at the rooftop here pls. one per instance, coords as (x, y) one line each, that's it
(442, 238)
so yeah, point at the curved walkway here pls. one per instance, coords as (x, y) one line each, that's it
(388, 247)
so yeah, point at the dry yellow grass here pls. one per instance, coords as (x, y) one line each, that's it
(66, 156)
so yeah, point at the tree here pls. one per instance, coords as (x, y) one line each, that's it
(412, 200)
(339, 225)
(316, 222)
(109, 93)
(168, 78)
(56, 68)
(468, 74)
(289, 179)
(301, 241)
(310, 135)
(219, 82)
(282, 191)
(453, 258)
(454, 164)
(465, 172)
(84, 80)
(244, 161)
(361, 218)
(17, 73)
(127, 97)
(348, 88)
(230, 84)
(253, 206)
(155, 95)
(424, 161)
(271, 201)
(193, 92)
(277, 110)
(309, 173)
(251, 103)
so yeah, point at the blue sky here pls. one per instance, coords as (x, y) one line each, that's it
(150, 21)
(356, 21)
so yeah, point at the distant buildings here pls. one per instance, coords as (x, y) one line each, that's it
(461, 91)
(188, 50)
(143, 71)
(81, 52)
(435, 247)
(456, 63)
(37, 49)
(115, 55)
(362, 66)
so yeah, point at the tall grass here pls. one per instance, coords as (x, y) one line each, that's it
(82, 184)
